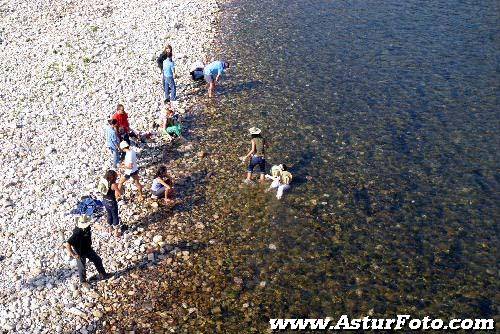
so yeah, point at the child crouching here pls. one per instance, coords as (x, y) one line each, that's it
(281, 180)
(168, 125)
(163, 186)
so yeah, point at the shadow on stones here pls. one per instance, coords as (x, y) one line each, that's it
(60, 275)
(170, 250)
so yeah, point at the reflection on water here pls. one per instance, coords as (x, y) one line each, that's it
(386, 112)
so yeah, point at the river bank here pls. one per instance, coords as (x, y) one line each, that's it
(66, 66)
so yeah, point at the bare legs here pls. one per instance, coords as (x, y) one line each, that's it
(249, 177)
(123, 179)
(211, 89)
(168, 200)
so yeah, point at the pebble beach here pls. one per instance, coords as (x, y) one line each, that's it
(65, 67)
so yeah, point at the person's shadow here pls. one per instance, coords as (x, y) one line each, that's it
(169, 250)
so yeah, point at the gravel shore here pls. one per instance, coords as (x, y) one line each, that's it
(65, 66)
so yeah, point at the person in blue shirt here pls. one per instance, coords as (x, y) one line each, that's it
(213, 73)
(168, 78)
(113, 142)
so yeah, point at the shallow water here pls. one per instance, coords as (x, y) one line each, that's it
(386, 113)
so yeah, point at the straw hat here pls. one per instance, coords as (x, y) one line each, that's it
(83, 221)
(254, 130)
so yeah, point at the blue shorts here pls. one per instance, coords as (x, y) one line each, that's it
(209, 78)
(257, 161)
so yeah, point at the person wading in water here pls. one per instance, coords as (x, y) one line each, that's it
(256, 155)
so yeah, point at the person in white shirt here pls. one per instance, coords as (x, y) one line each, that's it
(131, 168)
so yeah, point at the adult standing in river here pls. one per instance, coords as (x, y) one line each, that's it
(213, 73)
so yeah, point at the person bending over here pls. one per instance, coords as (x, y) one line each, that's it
(213, 73)
(163, 186)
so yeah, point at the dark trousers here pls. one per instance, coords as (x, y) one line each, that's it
(127, 136)
(112, 212)
(94, 258)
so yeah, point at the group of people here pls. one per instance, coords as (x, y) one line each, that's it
(212, 73)
(119, 140)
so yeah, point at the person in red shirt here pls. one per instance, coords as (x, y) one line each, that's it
(123, 125)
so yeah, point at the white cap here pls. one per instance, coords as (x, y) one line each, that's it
(123, 145)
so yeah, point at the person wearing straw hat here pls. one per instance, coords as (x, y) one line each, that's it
(256, 155)
(79, 246)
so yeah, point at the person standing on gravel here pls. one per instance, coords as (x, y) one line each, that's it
(113, 142)
(110, 192)
(168, 79)
(131, 169)
(121, 118)
(79, 246)
(213, 73)
(159, 61)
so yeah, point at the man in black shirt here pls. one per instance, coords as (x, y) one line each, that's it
(79, 246)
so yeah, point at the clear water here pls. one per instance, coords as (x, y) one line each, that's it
(387, 114)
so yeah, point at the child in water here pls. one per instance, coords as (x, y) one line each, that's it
(256, 155)
(281, 179)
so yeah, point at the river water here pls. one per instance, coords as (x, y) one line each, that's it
(387, 114)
